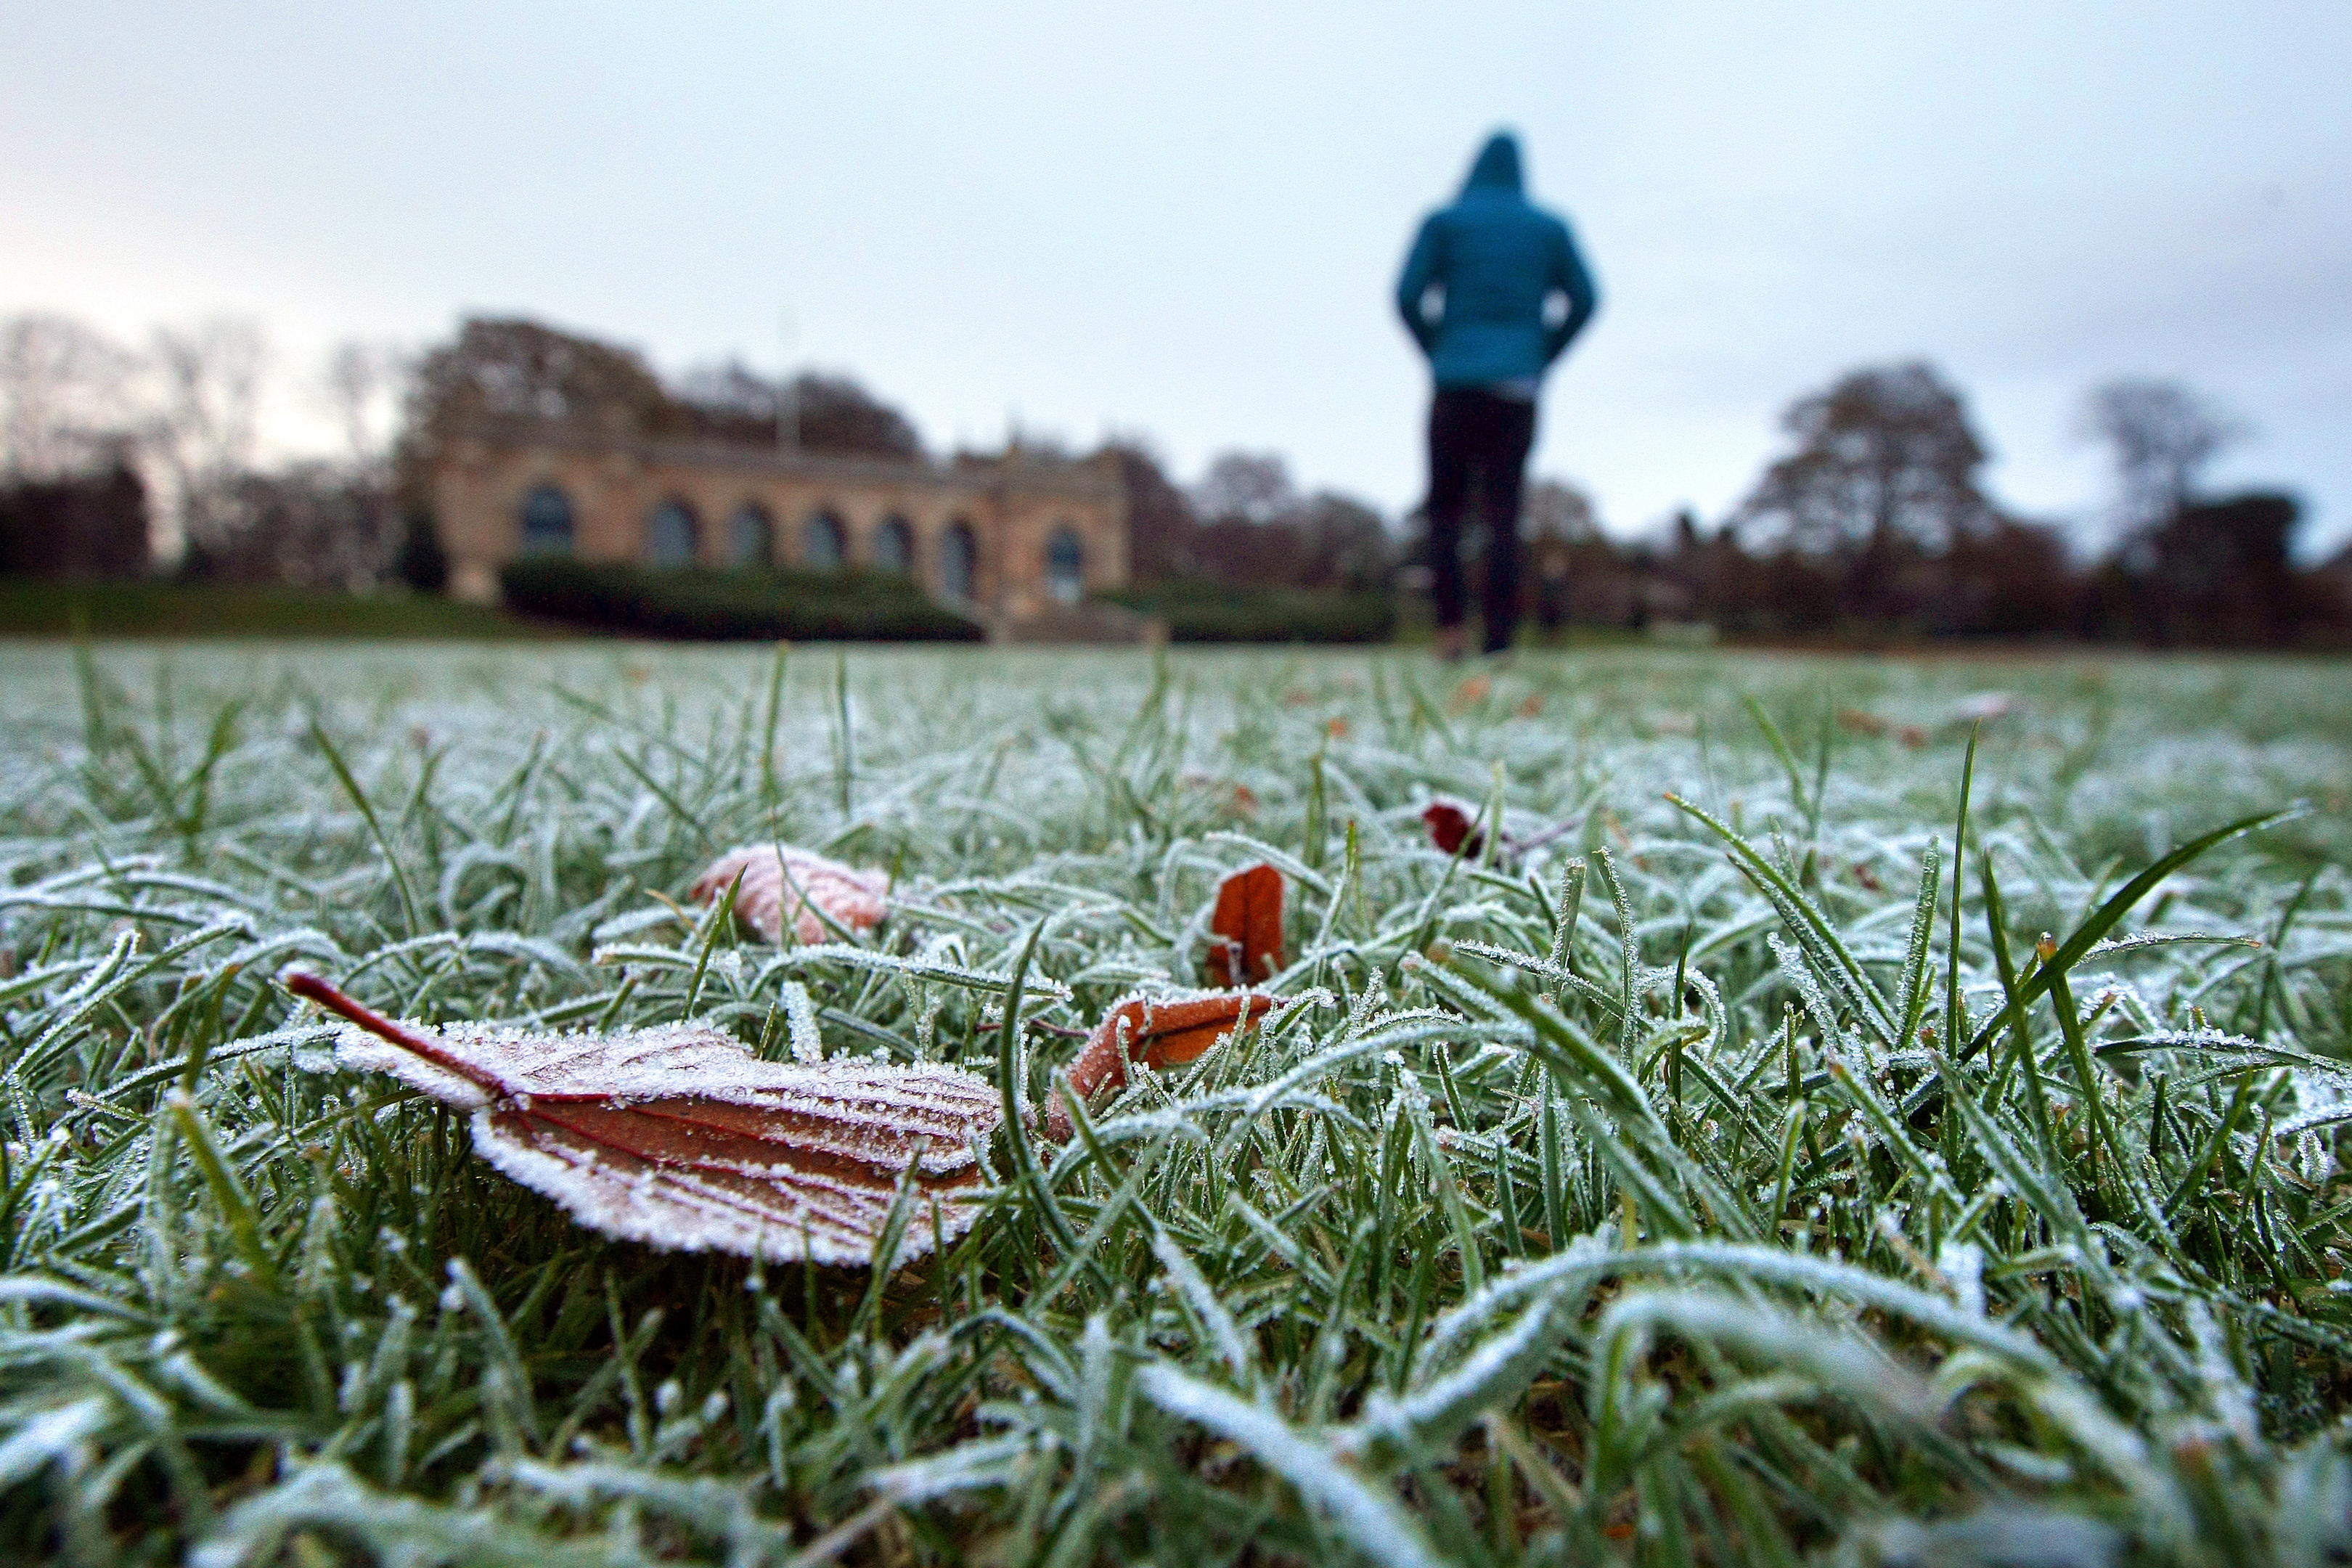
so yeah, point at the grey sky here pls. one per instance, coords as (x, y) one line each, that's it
(1186, 224)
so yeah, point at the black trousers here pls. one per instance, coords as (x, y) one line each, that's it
(1477, 448)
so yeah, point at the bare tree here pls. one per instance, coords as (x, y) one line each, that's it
(361, 386)
(2163, 436)
(1552, 509)
(207, 425)
(1886, 456)
(64, 396)
(1885, 476)
(1251, 485)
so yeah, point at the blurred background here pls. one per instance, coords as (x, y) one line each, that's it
(1999, 320)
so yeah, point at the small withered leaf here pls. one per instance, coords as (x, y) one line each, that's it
(1453, 829)
(1158, 1031)
(1247, 928)
(782, 883)
(679, 1138)
(1456, 831)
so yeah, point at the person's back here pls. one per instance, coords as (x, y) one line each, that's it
(1492, 265)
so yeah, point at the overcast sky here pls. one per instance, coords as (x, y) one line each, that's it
(1186, 224)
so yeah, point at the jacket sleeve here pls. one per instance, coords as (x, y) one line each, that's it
(1570, 275)
(1424, 266)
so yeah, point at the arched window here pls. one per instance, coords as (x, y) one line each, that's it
(751, 536)
(894, 547)
(670, 534)
(823, 543)
(1065, 566)
(959, 563)
(547, 523)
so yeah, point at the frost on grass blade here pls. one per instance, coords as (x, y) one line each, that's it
(679, 1138)
(781, 883)
(1247, 925)
(1158, 1031)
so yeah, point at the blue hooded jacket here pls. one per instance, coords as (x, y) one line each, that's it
(1498, 258)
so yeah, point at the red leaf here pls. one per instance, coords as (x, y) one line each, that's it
(1162, 1031)
(1247, 925)
(679, 1138)
(781, 882)
(1453, 829)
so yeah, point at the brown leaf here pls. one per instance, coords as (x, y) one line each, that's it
(1247, 926)
(781, 882)
(1158, 1031)
(680, 1138)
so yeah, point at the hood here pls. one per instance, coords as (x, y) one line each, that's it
(1497, 166)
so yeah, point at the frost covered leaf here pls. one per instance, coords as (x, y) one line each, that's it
(781, 882)
(1248, 924)
(679, 1138)
(1158, 1031)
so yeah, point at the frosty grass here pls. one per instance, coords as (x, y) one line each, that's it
(1685, 1234)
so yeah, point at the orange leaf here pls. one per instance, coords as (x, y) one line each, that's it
(1247, 926)
(679, 1138)
(1158, 1032)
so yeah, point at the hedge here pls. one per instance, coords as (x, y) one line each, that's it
(1214, 613)
(700, 605)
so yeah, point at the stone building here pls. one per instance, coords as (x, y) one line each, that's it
(1016, 540)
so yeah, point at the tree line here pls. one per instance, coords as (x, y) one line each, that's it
(1874, 523)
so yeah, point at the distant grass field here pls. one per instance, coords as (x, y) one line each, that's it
(1696, 1190)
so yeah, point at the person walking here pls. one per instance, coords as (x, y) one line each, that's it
(1494, 291)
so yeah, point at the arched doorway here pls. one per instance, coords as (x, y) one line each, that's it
(1065, 566)
(894, 547)
(547, 523)
(670, 533)
(751, 536)
(959, 563)
(825, 544)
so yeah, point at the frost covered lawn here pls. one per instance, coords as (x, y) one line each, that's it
(1762, 1213)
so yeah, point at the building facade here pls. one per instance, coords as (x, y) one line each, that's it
(1013, 540)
